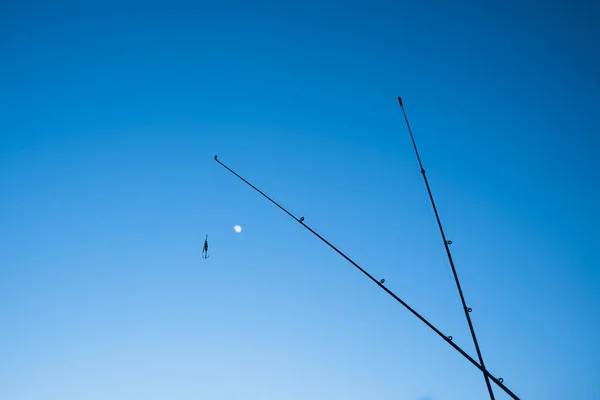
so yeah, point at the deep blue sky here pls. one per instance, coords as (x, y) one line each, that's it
(110, 115)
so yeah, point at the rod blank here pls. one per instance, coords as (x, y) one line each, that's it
(447, 339)
(466, 309)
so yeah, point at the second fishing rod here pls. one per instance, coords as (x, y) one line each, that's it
(380, 283)
(447, 243)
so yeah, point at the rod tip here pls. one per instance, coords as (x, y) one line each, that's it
(216, 158)
(400, 100)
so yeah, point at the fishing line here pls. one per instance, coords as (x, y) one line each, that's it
(380, 283)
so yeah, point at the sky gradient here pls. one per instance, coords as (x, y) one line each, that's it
(111, 115)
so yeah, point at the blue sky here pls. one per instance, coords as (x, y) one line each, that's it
(111, 115)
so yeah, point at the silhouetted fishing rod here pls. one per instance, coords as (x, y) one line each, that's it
(447, 244)
(448, 339)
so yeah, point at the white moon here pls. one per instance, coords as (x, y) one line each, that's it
(237, 228)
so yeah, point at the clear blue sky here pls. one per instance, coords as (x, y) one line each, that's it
(110, 115)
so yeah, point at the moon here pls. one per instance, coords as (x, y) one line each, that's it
(237, 228)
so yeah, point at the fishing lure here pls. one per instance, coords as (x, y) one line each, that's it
(205, 248)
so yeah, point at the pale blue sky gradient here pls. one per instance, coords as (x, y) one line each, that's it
(111, 115)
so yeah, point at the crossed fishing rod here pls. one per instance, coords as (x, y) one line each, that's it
(448, 339)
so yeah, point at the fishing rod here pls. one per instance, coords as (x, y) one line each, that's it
(380, 283)
(447, 244)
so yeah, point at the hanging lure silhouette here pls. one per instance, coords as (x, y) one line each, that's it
(205, 248)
